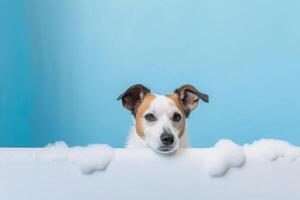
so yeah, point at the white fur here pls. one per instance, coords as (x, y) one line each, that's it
(163, 108)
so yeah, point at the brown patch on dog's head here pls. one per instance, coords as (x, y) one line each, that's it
(174, 97)
(137, 99)
(140, 114)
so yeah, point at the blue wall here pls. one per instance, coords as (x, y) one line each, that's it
(15, 76)
(64, 62)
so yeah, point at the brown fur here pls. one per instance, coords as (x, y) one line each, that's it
(181, 125)
(140, 114)
(175, 98)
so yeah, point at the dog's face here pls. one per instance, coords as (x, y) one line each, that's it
(160, 120)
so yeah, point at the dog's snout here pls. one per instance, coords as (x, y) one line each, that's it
(167, 139)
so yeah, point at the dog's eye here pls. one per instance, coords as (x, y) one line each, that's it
(150, 117)
(176, 117)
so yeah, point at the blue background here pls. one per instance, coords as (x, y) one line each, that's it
(64, 62)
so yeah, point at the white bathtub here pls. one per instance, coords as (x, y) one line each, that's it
(142, 174)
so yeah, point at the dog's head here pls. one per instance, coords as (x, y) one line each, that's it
(160, 119)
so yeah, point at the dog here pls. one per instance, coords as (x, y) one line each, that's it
(160, 120)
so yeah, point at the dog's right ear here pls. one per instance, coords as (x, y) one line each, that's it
(189, 97)
(133, 97)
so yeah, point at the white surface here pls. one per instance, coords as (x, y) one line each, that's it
(269, 170)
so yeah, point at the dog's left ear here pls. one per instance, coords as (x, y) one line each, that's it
(133, 97)
(189, 96)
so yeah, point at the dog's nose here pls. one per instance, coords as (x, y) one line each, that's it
(167, 139)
